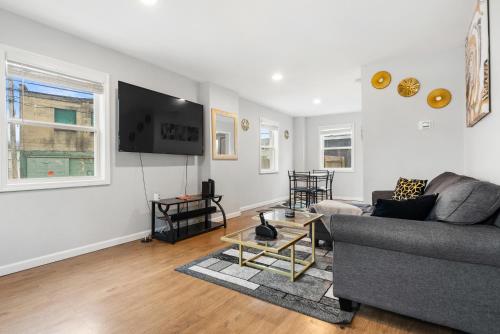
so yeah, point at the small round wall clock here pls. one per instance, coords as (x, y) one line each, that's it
(381, 80)
(439, 98)
(408, 87)
(245, 124)
(287, 134)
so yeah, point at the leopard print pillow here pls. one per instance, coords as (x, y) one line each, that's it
(409, 189)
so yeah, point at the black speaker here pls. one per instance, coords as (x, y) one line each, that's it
(208, 188)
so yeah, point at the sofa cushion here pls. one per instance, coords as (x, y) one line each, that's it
(443, 181)
(409, 189)
(413, 209)
(478, 244)
(467, 202)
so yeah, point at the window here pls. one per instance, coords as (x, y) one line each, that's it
(268, 146)
(54, 126)
(65, 116)
(336, 144)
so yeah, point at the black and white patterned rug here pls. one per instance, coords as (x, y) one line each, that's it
(311, 294)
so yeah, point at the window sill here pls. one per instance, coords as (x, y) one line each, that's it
(269, 172)
(53, 184)
(343, 170)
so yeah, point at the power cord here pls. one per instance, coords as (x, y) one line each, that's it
(144, 184)
(149, 238)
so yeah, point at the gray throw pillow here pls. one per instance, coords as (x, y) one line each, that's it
(467, 203)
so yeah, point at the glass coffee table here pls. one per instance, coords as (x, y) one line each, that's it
(290, 231)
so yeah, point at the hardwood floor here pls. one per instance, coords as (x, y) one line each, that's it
(133, 288)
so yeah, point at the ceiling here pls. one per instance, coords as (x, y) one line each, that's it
(318, 45)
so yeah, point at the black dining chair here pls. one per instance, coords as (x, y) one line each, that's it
(330, 183)
(299, 188)
(325, 183)
(319, 186)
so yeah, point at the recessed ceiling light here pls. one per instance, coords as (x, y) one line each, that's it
(149, 2)
(277, 77)
(317, 101)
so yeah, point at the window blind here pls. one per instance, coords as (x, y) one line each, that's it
(26, 72)
(343, 132)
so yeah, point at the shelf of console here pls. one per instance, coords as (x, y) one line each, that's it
(178, 231)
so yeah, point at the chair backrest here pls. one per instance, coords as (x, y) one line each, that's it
(324, 175)
(301, 179)
(331, 174)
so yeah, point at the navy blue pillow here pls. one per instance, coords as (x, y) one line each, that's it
(413, 209)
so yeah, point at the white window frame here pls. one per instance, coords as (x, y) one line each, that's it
(352, 147)
(101, 126)
(272, 124)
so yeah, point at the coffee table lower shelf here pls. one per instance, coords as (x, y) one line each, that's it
(292, 274)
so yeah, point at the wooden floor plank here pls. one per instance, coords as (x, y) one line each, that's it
(133, 288)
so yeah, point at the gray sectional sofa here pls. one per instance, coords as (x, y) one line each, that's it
(444, 270)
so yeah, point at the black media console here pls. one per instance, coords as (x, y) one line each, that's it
(204, 208)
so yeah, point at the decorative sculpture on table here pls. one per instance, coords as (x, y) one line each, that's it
(265, 230)
(477, 56)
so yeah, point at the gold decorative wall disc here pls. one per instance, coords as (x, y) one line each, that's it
(245, 124)
(381, 79)
(439, 98)
(408, 87)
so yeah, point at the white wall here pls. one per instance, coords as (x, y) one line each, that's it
(255, 187)
(346, 185)
(482, 149)
(393, 145)
(37, 223)
(239, 180)
(224, 172)
(299, 143)
(37, 227)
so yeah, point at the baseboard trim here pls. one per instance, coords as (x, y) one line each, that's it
(69, 253)
(218, 218)
(58, 256)
(66, 254)
(257, 205)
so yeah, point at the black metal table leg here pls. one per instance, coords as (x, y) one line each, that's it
(168, 220)
(187, 220)
(153, 220)
(207, 203)
(221, 210)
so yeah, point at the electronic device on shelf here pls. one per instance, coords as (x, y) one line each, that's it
(265, 229)
(208, 188)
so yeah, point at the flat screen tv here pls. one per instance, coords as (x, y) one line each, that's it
(152, 122)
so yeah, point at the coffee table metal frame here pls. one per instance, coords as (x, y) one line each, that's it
(284, 225)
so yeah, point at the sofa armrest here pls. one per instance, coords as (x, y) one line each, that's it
(381, 194)
(478, 244)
